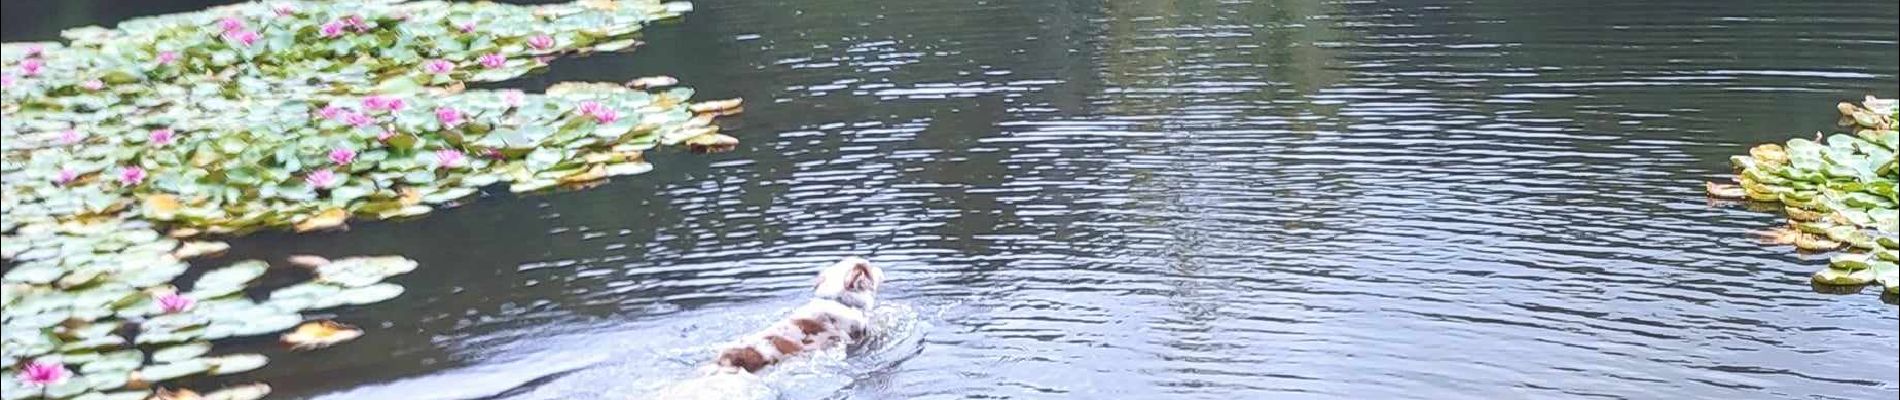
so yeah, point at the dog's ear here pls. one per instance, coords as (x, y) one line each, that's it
(860, 277)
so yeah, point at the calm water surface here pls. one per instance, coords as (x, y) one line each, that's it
(1162, 199)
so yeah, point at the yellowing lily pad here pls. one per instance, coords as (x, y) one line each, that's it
(320, 334)
(327, 219)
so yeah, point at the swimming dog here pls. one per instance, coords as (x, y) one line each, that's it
(838, 314)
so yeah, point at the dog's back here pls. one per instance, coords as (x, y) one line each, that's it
(838, 314)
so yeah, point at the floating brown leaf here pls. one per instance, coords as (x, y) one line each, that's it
(307, 260)
(327, 219)
(320, 334)
(652, 82)
(1726, 191)
(715, 105)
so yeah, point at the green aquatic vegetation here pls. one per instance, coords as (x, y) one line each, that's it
(123, 142)
(1838, 191)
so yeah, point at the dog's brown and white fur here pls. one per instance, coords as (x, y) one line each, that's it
(839, 313)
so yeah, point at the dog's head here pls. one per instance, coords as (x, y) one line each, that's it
(852, 281)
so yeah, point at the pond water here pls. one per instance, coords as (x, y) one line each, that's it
(1160, 199)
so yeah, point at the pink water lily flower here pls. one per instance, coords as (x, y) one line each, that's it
(513, 98)
(167, 57)
(93, 84)
(162, 137)
(493, 60)
(331, 112)
(70, 137)
(245, 38)
(131, 176)
(284, 10)
(229, 24)
(322, 179)
(439, 66)
(66, 176)
(356, 22)
(541, 42)
(391, 103)
(7, 81)
(606, 116)
(32, 66)
(35, 50)
(467, 27)
(331, 29)
(449, 117)
(43, 374)
(384, 136)
(357, 119)
(342, 156)
(449, 158)
(601, 113)
(173, 303)
(589, 108)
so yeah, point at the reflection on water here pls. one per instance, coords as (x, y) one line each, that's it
(1151, 198)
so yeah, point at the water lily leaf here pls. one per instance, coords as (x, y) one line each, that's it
(108, 380)
(125, 395)
(123, 360)
(243, 392)
(266, 324)
(1841, 277)
(93, 343)
(163, 207)
(228, 279)
(70, 388)
(38, 274)
(305, 296)
(716, 105)
(364, 271)
(181, 352)
(235, 363)
(199, 249)
(156, 273)
(371, 294)
(171, 370)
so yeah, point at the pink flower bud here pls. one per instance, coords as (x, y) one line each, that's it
(167, 57)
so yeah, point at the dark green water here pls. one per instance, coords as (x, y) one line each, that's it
(1162, 199)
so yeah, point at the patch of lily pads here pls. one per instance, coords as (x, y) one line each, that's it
(1839, 193)
(125, 143)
